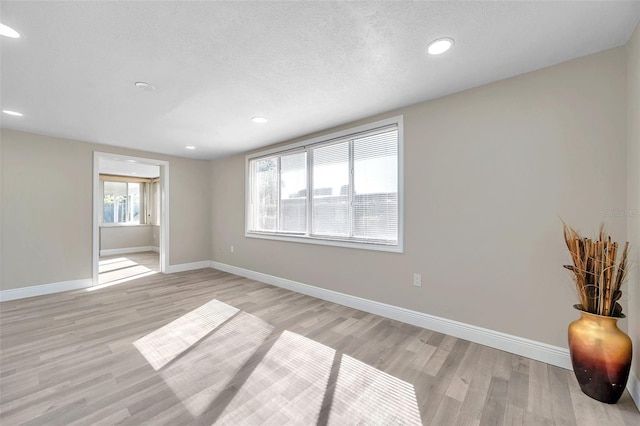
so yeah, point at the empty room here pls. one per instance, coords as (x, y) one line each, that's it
(320, 213)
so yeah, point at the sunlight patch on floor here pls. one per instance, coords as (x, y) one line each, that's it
(365, 394)
(201, 354)
(287, 387)
(119, 274)
(111, 260)
(109, 265)
(166, 343)
(121, 281)
(198, 377)
(125, 268)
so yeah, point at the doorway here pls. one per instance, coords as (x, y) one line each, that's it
(136, 204)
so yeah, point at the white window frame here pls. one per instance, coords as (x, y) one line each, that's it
(399, 248)
(117, 224)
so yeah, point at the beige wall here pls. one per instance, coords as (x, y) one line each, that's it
(633, 194)
(47, 208)
(155, 235)
(118, 237)
(488, 174)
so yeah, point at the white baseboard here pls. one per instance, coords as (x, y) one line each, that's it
(113, 252)
(633, 386)
(188, 266)
(40, 290)
(539, 351)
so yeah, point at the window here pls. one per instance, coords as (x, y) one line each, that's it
(342, 189)
(130, 200)
(121, 203)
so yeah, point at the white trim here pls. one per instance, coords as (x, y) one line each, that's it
(326, 242)
(125, 250)
(539, 351)
(40, 290)
(330, 138)
(97, 205)
(164, 207)
(401, 200)
(358, 129)
(125, 225)
(188, 266)
(633, 386)
(164, 217)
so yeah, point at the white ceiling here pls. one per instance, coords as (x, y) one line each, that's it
(306, 66)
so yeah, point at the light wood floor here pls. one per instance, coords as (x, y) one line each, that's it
(123, 267)
(207, 347)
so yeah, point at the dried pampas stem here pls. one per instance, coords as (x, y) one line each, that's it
(597, 274)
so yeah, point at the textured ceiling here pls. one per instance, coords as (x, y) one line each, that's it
(306, 66)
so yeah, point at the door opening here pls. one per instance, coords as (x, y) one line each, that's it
(130, 217)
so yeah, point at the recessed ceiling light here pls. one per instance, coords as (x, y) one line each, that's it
(144, 85)
(439, 46)
(131, 161)
(190, 147)
(133, 173)
(8, 112)
(8, 31)
(259, 119)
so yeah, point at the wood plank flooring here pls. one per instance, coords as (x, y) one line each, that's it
(207, 347)
(130, 266)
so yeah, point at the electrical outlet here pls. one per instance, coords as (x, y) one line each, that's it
(231, 249)
(417, 280)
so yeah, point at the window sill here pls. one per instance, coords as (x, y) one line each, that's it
(328, 242)
(124, 225)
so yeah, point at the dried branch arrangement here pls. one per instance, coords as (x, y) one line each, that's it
(597, 273)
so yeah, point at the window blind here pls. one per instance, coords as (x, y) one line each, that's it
(331, 179)
(343, 189)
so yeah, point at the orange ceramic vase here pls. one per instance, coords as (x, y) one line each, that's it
(601, 355)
